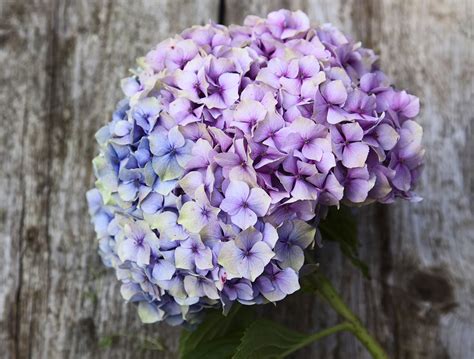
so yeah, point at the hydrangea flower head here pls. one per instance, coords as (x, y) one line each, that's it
(228, 141)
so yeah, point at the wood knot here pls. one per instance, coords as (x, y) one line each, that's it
(432, 286)
(86, 331)
(31, 237)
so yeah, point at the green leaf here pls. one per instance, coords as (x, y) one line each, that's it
(340, 226)
(217, 349)
(267, 339)
(217, 336)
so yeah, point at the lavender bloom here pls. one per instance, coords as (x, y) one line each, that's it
(244, 205)
(237, 165)
(266, 131)
(228, 140)
(293, 238)
(138, 243)
(214, 234)
(101, 217)
(121, 132)
(238, 289)
(194, 215)
(192, 253)
(152, 203)
(172, 152)
(404, 104)
(247, 114)
(305, 79)
(307, 137)
(246, 256)
(130, 86)
(145, 113)
(275, 284)
(200, 287)
(330, 190)
(167, 224)
(149, 313)
(360, 106)
(381, 139)
(348, 145)
(185, 111)
(276, 71)
(193, 84)
(285, 24)
(202, 155)
(294, 178)
(357, 184)
(328, 100)
(406, 159)
(162, 268)
(181, 53)
(224, 92)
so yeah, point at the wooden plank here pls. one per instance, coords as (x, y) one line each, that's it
(426, 280)
(24, 99)
(61, 65)
(62, 62)
(419, 302)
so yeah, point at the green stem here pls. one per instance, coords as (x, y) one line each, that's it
(325, 289)
(319, 335)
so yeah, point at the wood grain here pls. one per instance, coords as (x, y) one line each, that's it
(61, 61)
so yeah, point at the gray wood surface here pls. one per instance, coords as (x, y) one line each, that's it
(61, 61)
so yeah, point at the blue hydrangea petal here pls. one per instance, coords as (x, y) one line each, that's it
(149, 313)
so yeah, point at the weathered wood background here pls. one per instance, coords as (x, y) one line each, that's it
(60, 65)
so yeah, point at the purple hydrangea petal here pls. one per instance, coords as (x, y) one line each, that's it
(335, 92)
(163, 270)
(236, 194)
(258, 201)
(355, 154)
(230, 139)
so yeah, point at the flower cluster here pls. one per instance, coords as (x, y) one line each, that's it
(229, 140)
